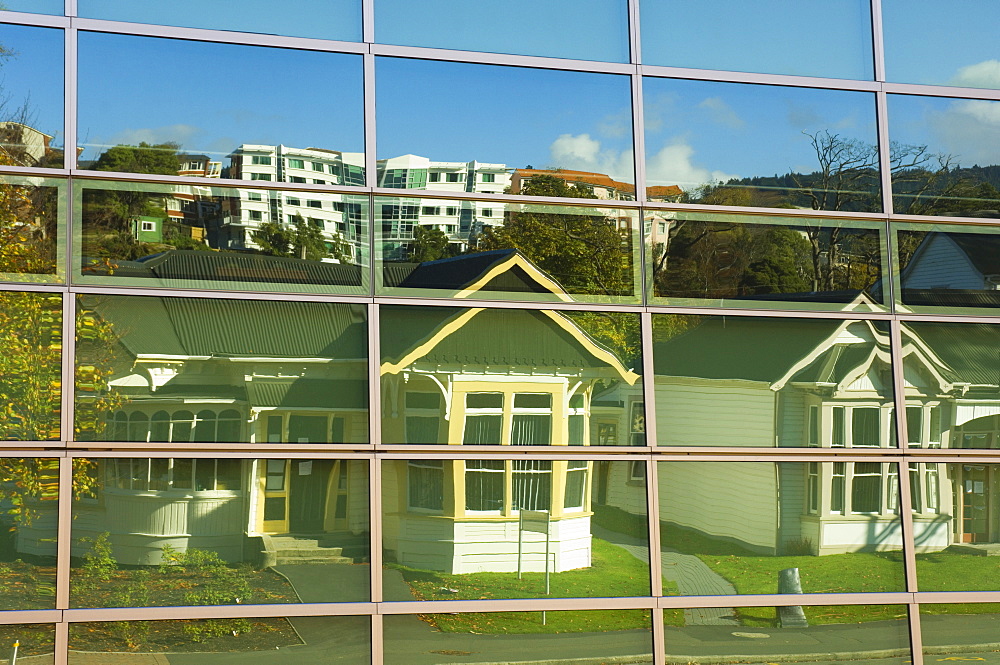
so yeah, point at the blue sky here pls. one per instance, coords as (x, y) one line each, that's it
(510, 115)
(945, 43)
(594, 30)
(698, 131)
(830, 38)
(37, 6)
(210, 98)
(34, 73)
(329, 19)
(966, 129)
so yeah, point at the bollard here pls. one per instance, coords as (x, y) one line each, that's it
(789, 582)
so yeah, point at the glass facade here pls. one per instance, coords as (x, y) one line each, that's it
(683, 349)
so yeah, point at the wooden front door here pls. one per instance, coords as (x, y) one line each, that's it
(308, 488)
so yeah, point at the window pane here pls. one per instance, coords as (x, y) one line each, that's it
(122, 341)
(36, 6)
(593, 140)
(609, 636)
(556, 28)
(754, 145)
(220, 638)
(515, 251)
(749, 381)
(30, 357)
(241, 536)
(217, 139)
(965, 38)
(180, 236)
(823, 633)
(508, 373)
(31, 110)
(330, 19)
(832, 39)
(29, 489)
(743, 523)
(766, 262)
(35, 642)
(946, 269)
(944, 156)
(464, 529)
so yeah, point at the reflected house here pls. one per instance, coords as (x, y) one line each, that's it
(960, 269)
(602, 186)
(24, 144)
(460, 221)
(337, 216)
(822, 384)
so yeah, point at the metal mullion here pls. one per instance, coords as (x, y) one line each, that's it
(878, 40)
(220, 612)
(634, 33)
(31, 447)
(803, 213)
(8, 617)
(659, 638)
(283, 296)
(61, 646)
(67, 392)
(64, 537)
(468, 303)
(377, 644)
(661, 71)
(590, 204)
(368, 20)
(195, 449)
(927, 220)
(34, 287)
(371, 132)
(71, 8)
(501, 59)
(775, 313)
(217, 183)
(40, 20)
(941, 597)
(884, 149)
(639, 149)
(70, 54)
(375, 532)
(946, 318)
(514, 605)
(780, 455)
(916, 637)
(221, 36)
(35, 171)
(941, 91)
(555, 455)
(785, 600)
(653, 515)
(246, 453)
(572, 452)
(952, 456)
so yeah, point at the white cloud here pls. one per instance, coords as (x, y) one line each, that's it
(582, 153)
(673, 165)
(969, 130)
(985, 74)
(721, 112)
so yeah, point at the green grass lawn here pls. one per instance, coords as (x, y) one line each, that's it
(613, 573)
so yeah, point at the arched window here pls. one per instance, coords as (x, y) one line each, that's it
(138, 427)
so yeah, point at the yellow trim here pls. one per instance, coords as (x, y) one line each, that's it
(452, 326)
(503, 266)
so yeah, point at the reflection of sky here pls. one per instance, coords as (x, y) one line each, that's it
(830, 38)
(329, 19)
(953, 43)
(966, 129)
(698, 132)
(56, 7)
(210, 98)
(34, 73)
(510, 115)
(597, 30)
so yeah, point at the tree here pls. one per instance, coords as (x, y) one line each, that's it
(159, 158)
(429, 244)
(586, 253)
(301, 240)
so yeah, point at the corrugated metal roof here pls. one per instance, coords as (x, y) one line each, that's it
(309, 393)
(972, 350)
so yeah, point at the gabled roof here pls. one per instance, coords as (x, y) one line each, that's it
(497, 270)
(971, 350)
(983, 249)
(449, 336)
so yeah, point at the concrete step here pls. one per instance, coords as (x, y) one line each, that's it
(309, 551)
(297, 560)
